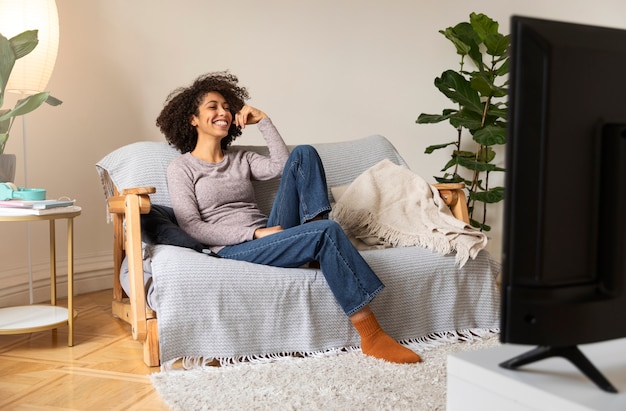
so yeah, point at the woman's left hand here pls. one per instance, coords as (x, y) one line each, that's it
(262, 232)
(248, 115)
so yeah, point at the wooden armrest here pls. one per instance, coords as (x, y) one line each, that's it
(449, 186)
(453, 195)
(127, 209)
(139, 190)
(117, 203)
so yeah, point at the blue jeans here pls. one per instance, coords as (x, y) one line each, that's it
(302, 196)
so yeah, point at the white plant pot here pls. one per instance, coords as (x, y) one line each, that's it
(7, 168)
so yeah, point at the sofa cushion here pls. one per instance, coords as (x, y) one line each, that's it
(159, 226)
(138, 165)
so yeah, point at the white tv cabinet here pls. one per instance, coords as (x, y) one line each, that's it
(476, 382)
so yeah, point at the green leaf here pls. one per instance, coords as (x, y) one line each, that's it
(471, 37)
(483, 25)
(434, 118)
(466, 33)
(494, 195)
(497, 44)
(53, 101)
(466, 119)
(454, 161)
(462, 153)
(499, 91)
(430, 149)
(458, 89)
(462, 48)
(485, 154)
(4, 124)
(11, 50)
(490, 135)
(477, 165)
(497, 112)
(503, 69)
(482, 83)
(26, 105)
(454, 179)
(7, 61)
(481, 226)
(24, 43)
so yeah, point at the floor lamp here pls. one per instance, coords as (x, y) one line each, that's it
(31, 73)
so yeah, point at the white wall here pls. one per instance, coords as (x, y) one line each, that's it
(324, 70)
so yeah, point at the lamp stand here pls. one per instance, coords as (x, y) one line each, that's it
(28, 233)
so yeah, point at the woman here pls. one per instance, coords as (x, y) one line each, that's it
(212, 195)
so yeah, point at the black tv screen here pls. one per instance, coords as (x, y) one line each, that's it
(564, 246)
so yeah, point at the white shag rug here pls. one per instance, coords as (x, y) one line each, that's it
(345, 381)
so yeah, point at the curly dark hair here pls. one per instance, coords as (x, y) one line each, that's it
(182, 103)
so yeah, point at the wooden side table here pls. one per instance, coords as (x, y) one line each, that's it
(39, 317)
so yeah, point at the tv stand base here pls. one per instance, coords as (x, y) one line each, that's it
(571, 353)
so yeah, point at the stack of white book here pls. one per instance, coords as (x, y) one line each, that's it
(36, 207)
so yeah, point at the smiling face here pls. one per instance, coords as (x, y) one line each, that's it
(214, 117)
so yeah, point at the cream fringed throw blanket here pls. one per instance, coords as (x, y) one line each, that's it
(394, 204)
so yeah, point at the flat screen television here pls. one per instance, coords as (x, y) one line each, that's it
(564, 247)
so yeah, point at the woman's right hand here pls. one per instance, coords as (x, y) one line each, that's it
(248, 115)
(262, 232)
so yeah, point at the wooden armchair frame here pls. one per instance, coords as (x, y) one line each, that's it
(127, 208)
(453, 195)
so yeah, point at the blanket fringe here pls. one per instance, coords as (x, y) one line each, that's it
(421, 344)
(436, 340)
(363, 222)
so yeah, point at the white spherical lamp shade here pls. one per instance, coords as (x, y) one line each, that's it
(32, 72)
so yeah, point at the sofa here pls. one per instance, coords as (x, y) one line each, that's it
(186, 305)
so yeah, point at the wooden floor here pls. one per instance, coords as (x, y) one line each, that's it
(103, 371)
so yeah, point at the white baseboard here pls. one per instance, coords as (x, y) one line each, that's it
(91, 273)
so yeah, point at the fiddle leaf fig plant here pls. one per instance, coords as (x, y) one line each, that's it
(11, 50)
(480, 111)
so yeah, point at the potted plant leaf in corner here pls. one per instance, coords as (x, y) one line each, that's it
(480, 111)
(11, 50)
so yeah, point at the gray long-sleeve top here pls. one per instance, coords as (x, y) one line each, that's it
(215, 202)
